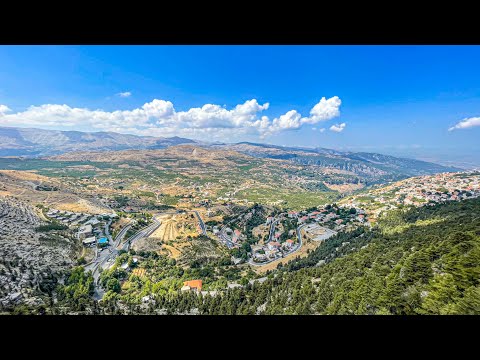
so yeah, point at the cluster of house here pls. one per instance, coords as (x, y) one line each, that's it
(425, 190)
(272, 250)
(330, 218)
(90, 227)
(68, 217)
(235, 236)
(92, 232)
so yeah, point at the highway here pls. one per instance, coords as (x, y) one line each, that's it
(121, 235)
(143, 233)
(200, 221)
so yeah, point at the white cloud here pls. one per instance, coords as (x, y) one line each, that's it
(326, 109)
(466, 123)
(125, 94)
(4, 109)
(314, 128)
(159, 118)
(338, 127)
(321, 130)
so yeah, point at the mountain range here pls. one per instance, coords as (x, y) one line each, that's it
(28, 142)
(40, 142)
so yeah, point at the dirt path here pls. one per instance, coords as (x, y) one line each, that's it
(174, 253)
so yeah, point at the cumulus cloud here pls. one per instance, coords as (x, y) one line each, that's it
(124, 94)
(466, 123)
(160, 118)
(4, 109)
(338, 127)
(326, 109)
(321, 130)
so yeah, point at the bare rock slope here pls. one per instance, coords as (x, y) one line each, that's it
(30, 261)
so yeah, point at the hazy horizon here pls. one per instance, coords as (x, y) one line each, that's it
(411, 101)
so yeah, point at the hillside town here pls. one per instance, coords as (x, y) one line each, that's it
(418, 191)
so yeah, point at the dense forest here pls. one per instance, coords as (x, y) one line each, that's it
(413, 261)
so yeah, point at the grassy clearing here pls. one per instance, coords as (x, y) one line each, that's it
(295, 200)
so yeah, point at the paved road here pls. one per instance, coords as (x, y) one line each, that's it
(272, 230)
(107, 256)
(200, 221)
(145, 232)
(222, 236)
(121, 235)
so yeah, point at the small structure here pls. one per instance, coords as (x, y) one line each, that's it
(192, 285)
(289, 243)
(90, 241)
(85, 231)
(292, 214)
(236, 235)
(303, 219)
(273, 245)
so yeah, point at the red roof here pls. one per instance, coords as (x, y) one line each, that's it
(290, 241)
(275, 243)
(194, 284)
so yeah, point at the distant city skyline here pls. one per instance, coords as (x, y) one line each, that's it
(415, 101)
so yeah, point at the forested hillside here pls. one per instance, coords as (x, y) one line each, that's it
(422, 261)
(416, 261)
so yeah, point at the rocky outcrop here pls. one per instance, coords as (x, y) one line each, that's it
(31, 262)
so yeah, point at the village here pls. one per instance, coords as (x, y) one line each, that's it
(418, 191)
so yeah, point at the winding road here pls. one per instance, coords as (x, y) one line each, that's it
(108, 255)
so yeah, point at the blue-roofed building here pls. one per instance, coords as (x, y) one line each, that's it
(103, 241)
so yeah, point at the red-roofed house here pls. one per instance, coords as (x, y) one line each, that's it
(192, 285)
(273, 245)
(289, 243)
(303, 219)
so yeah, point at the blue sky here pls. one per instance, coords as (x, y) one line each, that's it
(400, 100)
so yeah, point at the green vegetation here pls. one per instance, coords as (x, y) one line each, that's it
(427, 269)
(76, 293)
(288, 199)
(429, 264)
(53, 225)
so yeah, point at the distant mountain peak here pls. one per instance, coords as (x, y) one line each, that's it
(41, 142)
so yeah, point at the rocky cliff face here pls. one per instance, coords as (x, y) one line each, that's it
(31, 262)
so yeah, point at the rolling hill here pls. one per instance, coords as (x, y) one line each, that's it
(376, 168)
